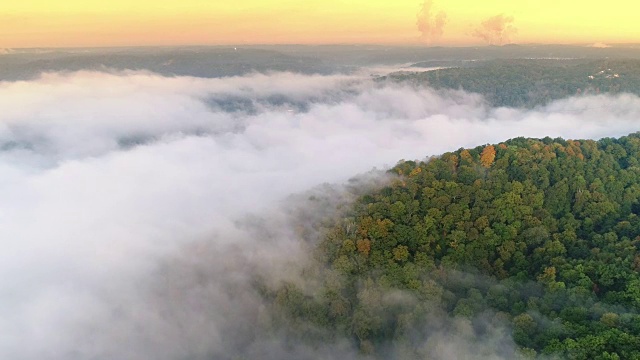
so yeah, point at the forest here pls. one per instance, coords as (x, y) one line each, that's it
(530, 82)
(529, 247)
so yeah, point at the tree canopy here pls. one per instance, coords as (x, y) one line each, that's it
(531, 82)
(536, 239)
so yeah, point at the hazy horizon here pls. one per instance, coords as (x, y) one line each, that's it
(374, 45)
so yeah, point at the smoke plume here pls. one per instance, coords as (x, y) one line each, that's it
(137, 210)
(430, 23)
(496, 30)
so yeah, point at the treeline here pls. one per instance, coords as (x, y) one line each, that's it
(527, 242)
(529, 83)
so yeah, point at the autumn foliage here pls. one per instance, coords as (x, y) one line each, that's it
(487, 156)
(544, 239)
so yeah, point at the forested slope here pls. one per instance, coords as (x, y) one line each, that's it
(528, 83)
(531, 240)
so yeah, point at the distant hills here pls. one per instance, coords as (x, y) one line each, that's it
(529, 82)
(219, 61)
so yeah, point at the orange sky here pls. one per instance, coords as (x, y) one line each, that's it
(71, 23)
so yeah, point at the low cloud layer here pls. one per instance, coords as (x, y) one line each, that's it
(135, 208)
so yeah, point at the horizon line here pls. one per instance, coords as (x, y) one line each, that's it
(406, 45)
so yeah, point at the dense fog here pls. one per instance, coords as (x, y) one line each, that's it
(137, 209)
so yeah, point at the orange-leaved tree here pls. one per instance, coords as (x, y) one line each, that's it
(487, 156)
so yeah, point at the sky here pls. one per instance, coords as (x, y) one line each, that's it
(94, 23)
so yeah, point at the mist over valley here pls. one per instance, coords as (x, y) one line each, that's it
(289, 202)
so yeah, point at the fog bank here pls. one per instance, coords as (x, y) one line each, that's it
(137, 208)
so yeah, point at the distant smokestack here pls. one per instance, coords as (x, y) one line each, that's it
(496, 30)
(431, 26)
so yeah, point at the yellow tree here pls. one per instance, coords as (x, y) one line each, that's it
(487, 156)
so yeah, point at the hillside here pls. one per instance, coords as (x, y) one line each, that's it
(531, 241)
(528, 83)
